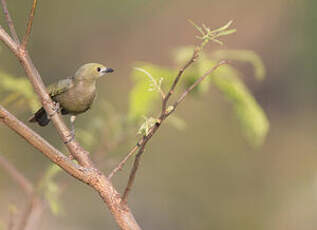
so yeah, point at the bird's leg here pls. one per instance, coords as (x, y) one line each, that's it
(55, 109)
(72, 131)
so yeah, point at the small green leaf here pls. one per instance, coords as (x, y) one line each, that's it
(226, 26)
(207, 34)
(169, 109)
(147, 125)
(227, 32)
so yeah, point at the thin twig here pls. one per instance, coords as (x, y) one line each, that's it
(122, 163)
(20, 179)
(180, 73)
(9, 21)
(155, 84)
(135, 167)
(29, 26)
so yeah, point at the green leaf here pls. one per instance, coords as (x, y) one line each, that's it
(243, 56)
(207, 34)
(252, 118)
(226, 26)
(142, 101)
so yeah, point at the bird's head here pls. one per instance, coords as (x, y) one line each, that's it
(91, 71)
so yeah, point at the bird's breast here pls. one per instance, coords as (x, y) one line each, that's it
(78, 99)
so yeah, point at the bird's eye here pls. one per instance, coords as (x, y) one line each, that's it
(98, 69)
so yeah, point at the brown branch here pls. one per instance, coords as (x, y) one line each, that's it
(163, 116)
(9, 21)
(29, 26)
(90, 176)
(86, 172)
(20, 179)
(39, 143)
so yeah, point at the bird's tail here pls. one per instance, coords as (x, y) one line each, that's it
(40, 117)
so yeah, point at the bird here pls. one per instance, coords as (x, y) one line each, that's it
(73, 95)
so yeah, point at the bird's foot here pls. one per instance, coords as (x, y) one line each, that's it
(55, 108)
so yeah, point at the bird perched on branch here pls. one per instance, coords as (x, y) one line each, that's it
(73, 95)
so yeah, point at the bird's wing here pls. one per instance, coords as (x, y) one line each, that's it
(59, 87)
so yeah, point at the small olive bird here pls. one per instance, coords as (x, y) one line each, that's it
(73, 95)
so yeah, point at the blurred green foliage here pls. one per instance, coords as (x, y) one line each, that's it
(247, 56)
(142, 99)
(253, 121)
(108, 124)
(17, 91)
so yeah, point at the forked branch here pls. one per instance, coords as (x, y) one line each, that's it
(206, 35)
(29, 26)
(154, 129)
(9, 21)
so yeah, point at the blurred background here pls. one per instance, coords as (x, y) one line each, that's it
(203, 177)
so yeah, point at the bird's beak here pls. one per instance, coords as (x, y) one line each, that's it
(107, 70)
